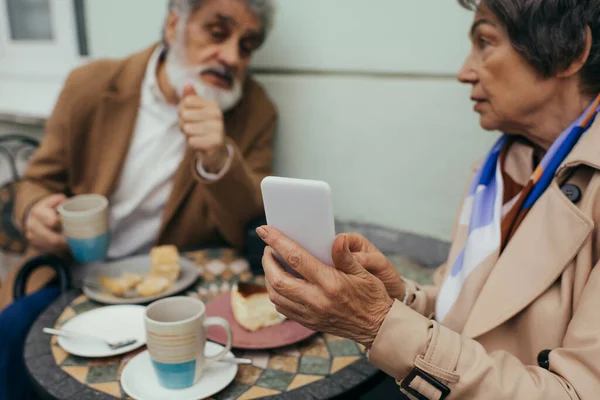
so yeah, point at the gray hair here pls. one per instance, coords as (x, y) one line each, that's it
(263, 9)
(551, 34)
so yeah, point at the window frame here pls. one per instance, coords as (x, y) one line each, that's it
(45, 60)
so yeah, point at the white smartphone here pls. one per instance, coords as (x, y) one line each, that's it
(302, 210)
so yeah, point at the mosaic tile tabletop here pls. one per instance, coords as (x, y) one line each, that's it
(274, 372)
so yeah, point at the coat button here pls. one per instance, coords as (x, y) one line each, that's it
(543, 359)
(572, 192)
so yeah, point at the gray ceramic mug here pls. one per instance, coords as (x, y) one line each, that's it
(85, 225)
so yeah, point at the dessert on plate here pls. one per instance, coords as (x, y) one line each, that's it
(122, 284)
(165, 262)
(163, 272)
(252, 308)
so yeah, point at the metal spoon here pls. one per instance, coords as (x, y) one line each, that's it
(112, 345)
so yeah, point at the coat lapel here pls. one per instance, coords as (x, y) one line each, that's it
(116, 121)
(183, 183)
(545, 243)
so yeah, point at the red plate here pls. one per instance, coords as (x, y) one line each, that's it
(284, 334)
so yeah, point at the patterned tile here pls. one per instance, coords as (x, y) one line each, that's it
(79, 373)
(258, 392)
(344, 348)
(292, 351)
(259, 359)
(248, 374)
(339, 363)
(238, 266)
(303, 380)
(216, 267)
(98, 362)
(276, 380)
(227, 275)
(332, 338)
(228, 255)
(102, 374)
(85, 306)
(81, 299)
(246, 276)
(315, 348)
(260, 280)
(314, 366)
(66, 315)
(74, 361)
(284, 363)
(111, 388)
(232, 392)
(59, 354)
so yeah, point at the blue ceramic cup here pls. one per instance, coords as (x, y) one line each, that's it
(85, 225)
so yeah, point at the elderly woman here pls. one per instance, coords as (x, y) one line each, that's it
(516, 311)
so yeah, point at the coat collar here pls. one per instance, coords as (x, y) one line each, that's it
(541, 249)
(533, 260)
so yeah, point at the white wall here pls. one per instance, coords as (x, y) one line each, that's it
(367, 99)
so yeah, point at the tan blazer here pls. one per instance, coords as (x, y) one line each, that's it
(87, 138)
(542, 294)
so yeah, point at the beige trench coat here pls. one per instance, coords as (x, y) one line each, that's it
(542, 295)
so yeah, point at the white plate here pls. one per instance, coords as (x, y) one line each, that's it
(141, 383)
(136, 265)
(112, 323)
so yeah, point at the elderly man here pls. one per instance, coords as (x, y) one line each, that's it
(178, 137)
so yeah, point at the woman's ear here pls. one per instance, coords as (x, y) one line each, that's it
(579, 62)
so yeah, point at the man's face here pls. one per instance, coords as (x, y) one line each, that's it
(212, 49)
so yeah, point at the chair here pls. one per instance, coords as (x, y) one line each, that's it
(15, 151)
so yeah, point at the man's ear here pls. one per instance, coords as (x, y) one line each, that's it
(170, 29)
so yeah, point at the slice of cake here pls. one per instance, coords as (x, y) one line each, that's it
(252, 308)
(165, 262)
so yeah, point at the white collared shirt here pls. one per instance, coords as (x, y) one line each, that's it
(156, 151)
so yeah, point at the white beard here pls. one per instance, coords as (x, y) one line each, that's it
(179, 75)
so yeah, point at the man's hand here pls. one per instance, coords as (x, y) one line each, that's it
(201, 121)
(43, 228)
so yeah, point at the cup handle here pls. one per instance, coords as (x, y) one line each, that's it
(218, 321)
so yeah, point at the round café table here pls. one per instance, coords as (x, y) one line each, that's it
(321, 367)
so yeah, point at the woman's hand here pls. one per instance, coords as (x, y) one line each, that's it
(367, 255)
(345, 301)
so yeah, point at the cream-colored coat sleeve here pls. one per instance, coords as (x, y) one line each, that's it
(408, 339)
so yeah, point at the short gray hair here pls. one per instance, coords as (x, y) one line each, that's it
(263, 9)
(551, 34)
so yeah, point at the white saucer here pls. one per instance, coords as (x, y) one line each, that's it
(140, 382)
(114, 323)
